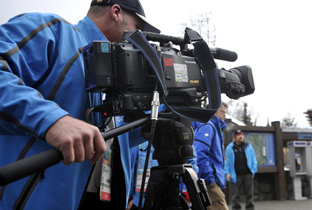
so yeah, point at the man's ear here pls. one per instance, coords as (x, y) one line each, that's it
(115, 12)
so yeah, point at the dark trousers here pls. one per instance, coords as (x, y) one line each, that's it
(247, 182)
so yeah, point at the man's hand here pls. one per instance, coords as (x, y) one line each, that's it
(228, 177)
(77, 140)
(130, 204)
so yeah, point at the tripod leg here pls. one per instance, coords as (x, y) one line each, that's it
(155, 189)
(162, 191)
(196, 188)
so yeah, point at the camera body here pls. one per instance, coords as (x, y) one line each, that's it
(129, 72)
(121, 71)
(128, 77)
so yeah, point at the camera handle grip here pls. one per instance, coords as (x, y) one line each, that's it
(27, 166)
(41, 161)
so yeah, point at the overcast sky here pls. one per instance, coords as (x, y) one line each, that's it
(273, 37)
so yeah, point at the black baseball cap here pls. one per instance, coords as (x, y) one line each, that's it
(131, 6)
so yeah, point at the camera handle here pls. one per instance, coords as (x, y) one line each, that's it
(41, 161)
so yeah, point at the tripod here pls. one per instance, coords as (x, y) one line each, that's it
(163, 188)
(173, 146)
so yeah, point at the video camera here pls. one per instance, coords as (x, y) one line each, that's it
(129, 71)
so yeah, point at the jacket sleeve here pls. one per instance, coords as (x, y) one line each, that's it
(254, 161)
(25, 58)
(227, 160)
(202, 143)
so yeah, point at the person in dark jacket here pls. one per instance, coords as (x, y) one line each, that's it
(209, 147)
(43, 102)
(240, 167)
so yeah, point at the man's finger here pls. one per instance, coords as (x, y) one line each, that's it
(68, 155)
(100, 148)
(89, 148)
(79, 151)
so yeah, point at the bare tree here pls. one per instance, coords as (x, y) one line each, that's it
(238, 110)
(246, 116)
(205, 26)
(235, 109)
(288, 122)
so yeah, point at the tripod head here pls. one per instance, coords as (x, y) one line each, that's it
(172, 142)
(172, 138)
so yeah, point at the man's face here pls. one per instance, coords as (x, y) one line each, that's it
(130, 23)
(239, 139)
(221, 112)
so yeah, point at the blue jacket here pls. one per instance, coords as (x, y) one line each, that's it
(40, 58)
(209, 147)
(230, 160)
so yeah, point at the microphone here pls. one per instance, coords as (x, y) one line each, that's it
(222, 54)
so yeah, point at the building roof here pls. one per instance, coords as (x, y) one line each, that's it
(234, 120)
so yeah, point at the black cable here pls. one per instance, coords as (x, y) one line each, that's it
(150, 138)
(153, 127)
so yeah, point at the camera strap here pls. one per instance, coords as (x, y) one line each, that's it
(206, 62)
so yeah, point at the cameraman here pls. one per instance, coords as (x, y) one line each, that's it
(43, 101)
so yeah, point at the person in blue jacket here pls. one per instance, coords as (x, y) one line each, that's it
(43, 101)
(240, 168)
(209, 147)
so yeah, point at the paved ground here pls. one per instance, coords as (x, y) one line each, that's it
(283, 205)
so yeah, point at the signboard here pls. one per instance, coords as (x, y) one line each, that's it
(304, 135)
(263, 144)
